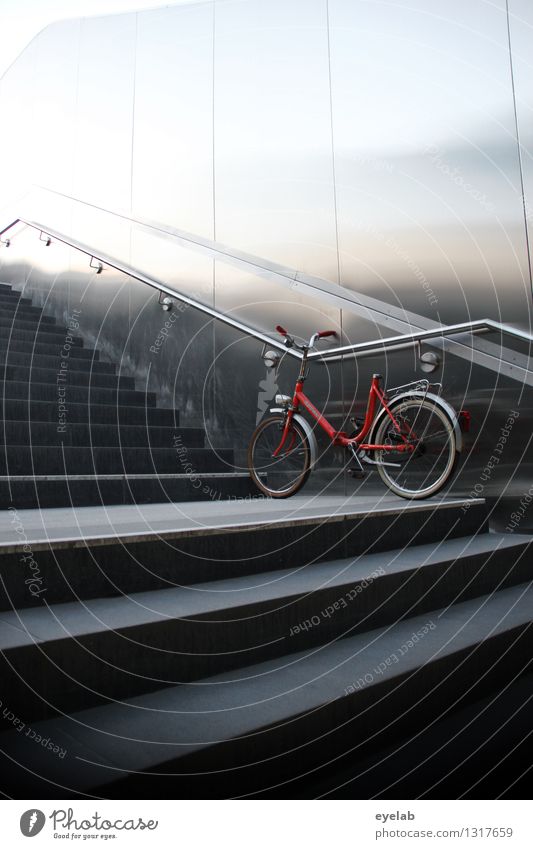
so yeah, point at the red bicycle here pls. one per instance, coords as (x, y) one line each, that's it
(413, 439)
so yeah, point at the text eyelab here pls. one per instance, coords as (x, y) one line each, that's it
(396, 816)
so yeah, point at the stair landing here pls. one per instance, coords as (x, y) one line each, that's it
(105, 524)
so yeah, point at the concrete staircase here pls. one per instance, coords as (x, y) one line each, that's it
(75, 432)
(239, 659)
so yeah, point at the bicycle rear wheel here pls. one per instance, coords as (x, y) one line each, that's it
(282, 475)
(424, 471)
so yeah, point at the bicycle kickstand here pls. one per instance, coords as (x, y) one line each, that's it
(357, 471)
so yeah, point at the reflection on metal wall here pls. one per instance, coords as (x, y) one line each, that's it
(172, 152)
(520, 35)
(373, 145)
(429, 192)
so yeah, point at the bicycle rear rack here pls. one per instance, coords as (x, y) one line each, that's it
(421, 385)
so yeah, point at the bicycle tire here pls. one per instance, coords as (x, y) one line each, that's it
(426, 471)
(283, 476)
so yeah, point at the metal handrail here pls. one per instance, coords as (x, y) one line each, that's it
(407, 340)
(359, 349)
(124, 268)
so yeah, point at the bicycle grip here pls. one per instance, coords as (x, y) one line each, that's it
(281, 330)
(323, 333)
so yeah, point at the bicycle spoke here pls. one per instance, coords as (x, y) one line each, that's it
(278, 474)
(424, 469)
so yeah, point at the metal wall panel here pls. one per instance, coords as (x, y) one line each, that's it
(54, 104)
(177, 369)
(428, 183)
(241, 383)
(273, 155)
(173, 129)
(521, 37)
(105, 111)
(274, 193)
(17, 140)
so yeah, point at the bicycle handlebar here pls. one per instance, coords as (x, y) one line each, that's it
(290, 342)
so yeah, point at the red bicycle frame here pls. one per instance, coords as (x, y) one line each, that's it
(339, 437)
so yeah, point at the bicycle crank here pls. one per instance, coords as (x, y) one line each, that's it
(382, 463)
(362, 457)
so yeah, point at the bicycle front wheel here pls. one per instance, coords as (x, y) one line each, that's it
(422, 472)
(284, 474)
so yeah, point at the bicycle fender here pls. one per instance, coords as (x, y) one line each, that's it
(307, 429)
(437, 400)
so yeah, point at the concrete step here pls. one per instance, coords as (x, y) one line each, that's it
(47, 334)
(31, 359)
(82, 435)
(16, 323)
(492, 736)
(69, 376)
(248, 728)
(90, 558)
(81, 653)
(44, 343)
(10, 300)
(90, 455)
(24, 311)
(14, 409)
(103, 460)
(96, 490)
(65, 394)
(12, 294)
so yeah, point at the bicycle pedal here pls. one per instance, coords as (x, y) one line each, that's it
(356, 473)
